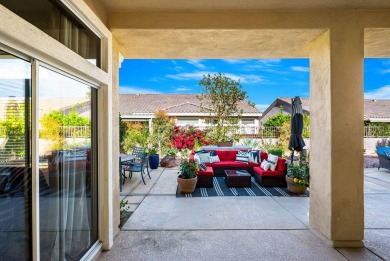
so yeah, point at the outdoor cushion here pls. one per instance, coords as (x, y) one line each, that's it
(232, 154)
(208, 172)
(239, 164)
(254, 156)
(204, 157)
(265, 165)
(214, 159)
(273, 159)
(281, 166)
(225, 163)
(267, 173)
(202, 167)
(222, 154)
(263, 155)
(242, 156)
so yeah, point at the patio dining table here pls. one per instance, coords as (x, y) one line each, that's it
(124, 158)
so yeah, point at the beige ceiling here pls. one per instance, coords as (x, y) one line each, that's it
(181, 43)
(241, 5)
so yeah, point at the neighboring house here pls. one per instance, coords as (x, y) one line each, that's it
(375, 110)
(185, 108)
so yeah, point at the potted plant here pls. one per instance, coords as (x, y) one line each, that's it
(297, 178)
(154, 158)
(187, 178)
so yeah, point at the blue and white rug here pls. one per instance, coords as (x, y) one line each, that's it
(220, 189)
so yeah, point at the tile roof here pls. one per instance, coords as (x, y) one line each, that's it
(172, 103)
(373, 108)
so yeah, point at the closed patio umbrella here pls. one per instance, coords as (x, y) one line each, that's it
(296, 141)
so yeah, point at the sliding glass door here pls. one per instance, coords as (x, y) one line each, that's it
(15, 158)
(68, 205)
(65, 167)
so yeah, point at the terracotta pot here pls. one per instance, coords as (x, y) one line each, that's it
(292, 187)
(224, 144)
(187, 186)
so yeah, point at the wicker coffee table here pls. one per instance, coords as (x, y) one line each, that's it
(237, 178)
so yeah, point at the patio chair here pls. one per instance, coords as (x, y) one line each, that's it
(138, 167)
(384, 157)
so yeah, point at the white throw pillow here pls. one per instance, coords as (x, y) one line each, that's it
(213, 159)
(204, 157)
(273, 160)
(265, 165)
(197, 158)
(242, 156)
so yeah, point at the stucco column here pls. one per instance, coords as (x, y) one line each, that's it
(336, 152)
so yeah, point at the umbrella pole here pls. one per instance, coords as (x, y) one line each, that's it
(292, 157)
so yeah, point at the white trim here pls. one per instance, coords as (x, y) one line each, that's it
(80, 11)
(106, 232)
(92, 252)
(68, 75)
(35, 160)
(379, 119)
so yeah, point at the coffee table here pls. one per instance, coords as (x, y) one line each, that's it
(237, 178)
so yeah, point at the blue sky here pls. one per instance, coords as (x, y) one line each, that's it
(263, 80)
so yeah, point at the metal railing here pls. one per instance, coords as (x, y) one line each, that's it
(75, 131)
(376, 131)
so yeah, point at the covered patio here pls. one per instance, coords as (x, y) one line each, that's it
(164, 227)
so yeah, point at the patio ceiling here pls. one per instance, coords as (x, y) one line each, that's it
(243, 5)
(172, 29)
(183, 43)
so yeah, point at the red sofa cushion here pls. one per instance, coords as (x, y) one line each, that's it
(222, 155)
(207, 172)
(281, 166)
(238, 164)
(263, 156)
(232, 154)
(225, 163)
(267, 173)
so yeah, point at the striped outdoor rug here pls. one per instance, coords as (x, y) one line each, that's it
(220, 189)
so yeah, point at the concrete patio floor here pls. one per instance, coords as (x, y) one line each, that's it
(163, 227)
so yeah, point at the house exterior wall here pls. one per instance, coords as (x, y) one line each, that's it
(19, 35)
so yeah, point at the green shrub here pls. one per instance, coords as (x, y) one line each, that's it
(276, 151)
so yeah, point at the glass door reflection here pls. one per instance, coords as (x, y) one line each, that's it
(15, 158)
(68, 198)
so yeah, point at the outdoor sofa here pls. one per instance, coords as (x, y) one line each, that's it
(228, 162)
(384, 157)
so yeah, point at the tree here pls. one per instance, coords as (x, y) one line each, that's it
(277, 120)
(220, 98)
(162, 126)
(136, 134)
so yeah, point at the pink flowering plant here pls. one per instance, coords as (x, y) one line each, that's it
(187, 138)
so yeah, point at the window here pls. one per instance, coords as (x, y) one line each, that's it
(67, 149)
(15, 158)
(53, 18)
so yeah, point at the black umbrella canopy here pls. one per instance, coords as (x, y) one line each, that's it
(296, 141)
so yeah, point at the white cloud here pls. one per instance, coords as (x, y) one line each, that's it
(300, 68)
(136, 90)
(385, 71)
(182, 89)
(262, 107)
(244, 78)
(188, 76)
(380, 93)
(197, 63)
